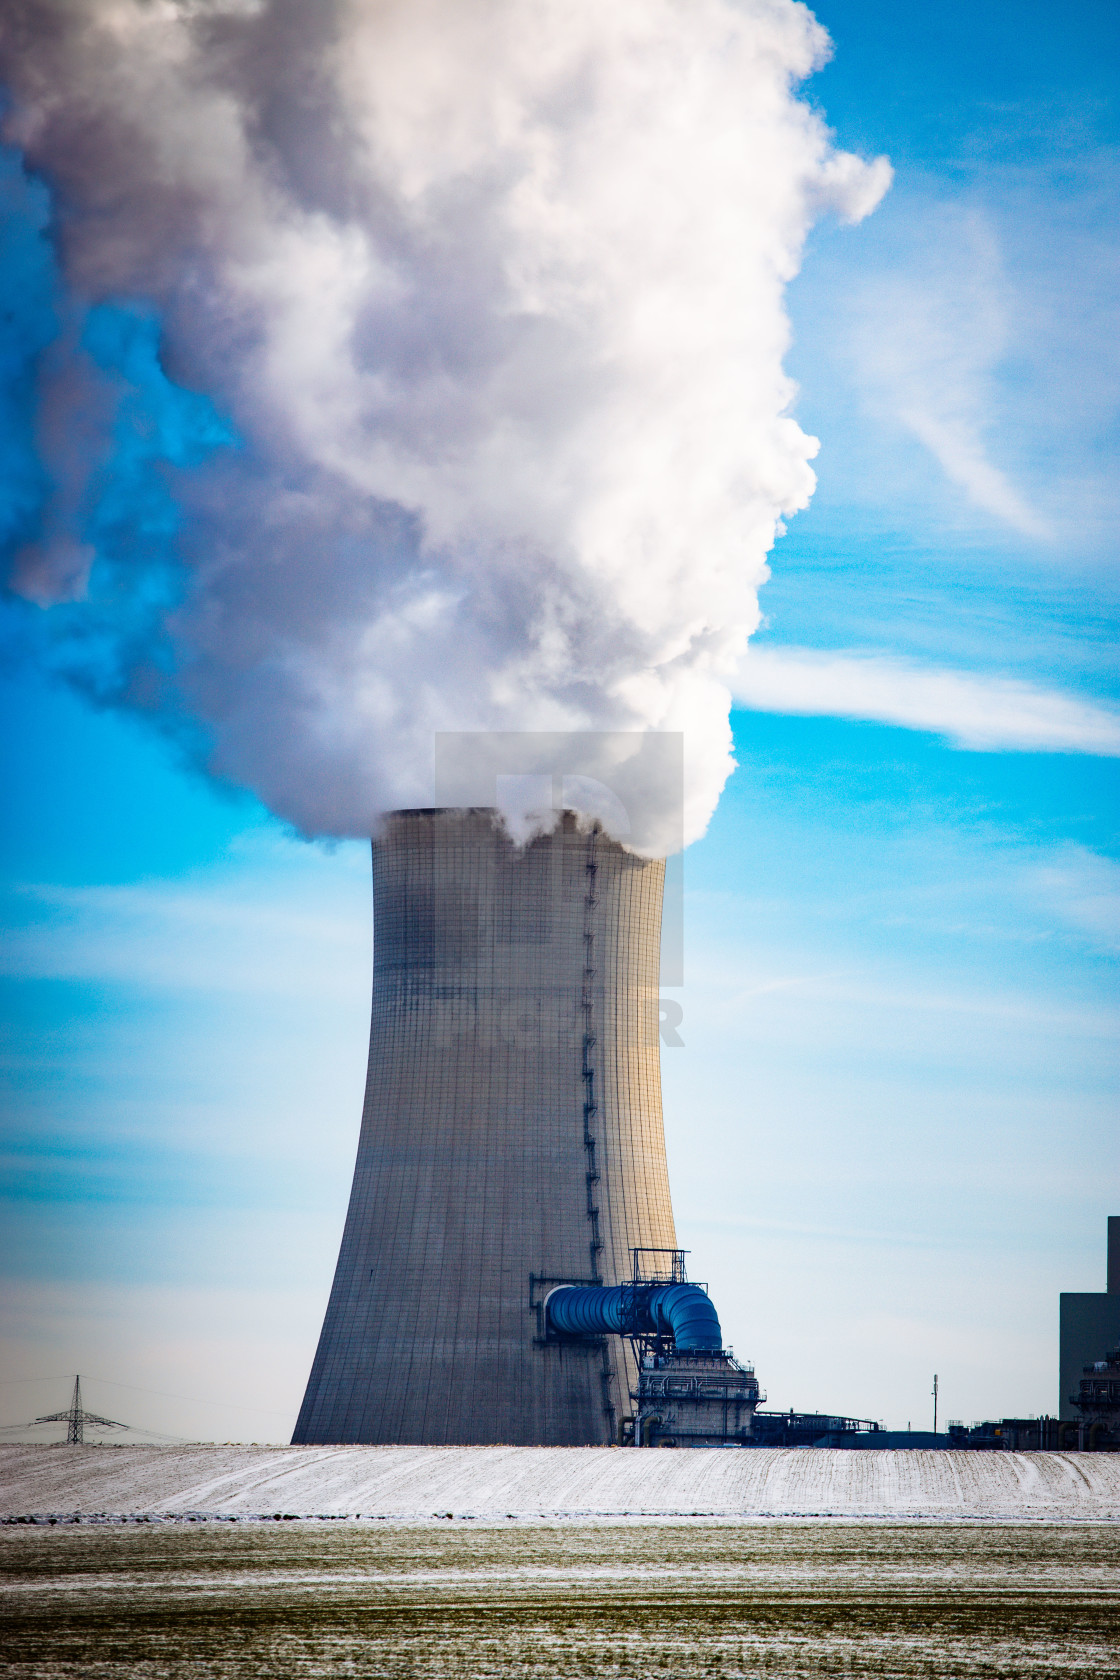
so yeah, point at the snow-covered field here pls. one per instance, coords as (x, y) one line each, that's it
(496, 1482)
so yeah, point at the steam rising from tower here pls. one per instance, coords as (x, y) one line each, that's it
(414, 364)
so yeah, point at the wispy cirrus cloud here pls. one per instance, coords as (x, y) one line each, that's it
(932, 338)
(1083, 889)
(977, 711)
(956, 444)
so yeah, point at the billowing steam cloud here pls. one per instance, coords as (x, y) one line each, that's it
(416, 365)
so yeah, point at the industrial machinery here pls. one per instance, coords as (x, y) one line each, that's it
(1098, 1402)
(1037, 1434)
(821, 1429)
(690, 1390)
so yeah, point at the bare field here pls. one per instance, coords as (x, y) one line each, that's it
(622, 1601)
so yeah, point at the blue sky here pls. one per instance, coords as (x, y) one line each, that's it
(892, 1127)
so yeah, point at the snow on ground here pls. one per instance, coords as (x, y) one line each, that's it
(407, 1482)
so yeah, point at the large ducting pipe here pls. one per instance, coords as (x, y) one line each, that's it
(512, 1137)
(681, 1311)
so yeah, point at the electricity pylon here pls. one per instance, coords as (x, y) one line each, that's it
(75, 1419)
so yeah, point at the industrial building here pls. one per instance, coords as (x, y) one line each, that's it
(1009, 1434)
(1097, 1399)
(1088, 1417)
(511, 1143)
(1089, 1327)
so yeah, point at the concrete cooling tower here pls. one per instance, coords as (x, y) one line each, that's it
(511, 1142)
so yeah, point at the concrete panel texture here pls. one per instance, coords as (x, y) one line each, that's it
(512, 1137)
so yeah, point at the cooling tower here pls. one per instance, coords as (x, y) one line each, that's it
(512, 1137)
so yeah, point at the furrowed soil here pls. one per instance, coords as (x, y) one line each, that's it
(624, 1602)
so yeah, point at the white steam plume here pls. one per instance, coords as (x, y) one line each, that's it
(492, 293)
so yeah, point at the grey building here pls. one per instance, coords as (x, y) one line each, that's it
(1089, 1327)
(511, 1140)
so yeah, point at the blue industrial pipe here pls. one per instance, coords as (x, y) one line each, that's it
(681, 1310)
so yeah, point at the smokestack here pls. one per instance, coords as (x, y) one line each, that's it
(512, 1137)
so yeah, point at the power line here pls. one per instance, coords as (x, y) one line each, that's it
(133, 1429)
(56, 1378)
(232, 1404)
